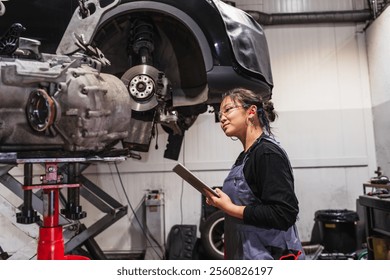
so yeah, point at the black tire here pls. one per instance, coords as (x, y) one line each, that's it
(212, 235)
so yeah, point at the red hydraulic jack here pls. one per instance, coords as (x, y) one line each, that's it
(51, 243)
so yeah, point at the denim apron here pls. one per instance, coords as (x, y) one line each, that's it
(248, 242)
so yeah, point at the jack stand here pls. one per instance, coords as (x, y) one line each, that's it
(51, 243)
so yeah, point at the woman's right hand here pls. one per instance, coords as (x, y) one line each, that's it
(224, 203)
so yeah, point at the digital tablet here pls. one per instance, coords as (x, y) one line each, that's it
(194, 181)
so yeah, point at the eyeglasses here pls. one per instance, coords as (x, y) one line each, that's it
(228, 110)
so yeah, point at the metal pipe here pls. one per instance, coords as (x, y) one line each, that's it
(27, 215)
(374, 5)
(311, 17)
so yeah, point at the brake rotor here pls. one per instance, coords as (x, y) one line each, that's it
(141, 83)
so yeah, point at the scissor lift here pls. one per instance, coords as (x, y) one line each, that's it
(42, 207)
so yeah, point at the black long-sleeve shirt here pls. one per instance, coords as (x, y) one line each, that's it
(268, 173)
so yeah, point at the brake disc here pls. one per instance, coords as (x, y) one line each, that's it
(141, 82)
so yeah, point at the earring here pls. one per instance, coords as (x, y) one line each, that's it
(251, 122)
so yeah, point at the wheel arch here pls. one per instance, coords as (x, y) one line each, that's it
(188, 76)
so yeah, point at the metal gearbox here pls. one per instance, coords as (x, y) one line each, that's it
(60, 102)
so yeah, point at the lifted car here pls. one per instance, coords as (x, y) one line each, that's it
(175, 58)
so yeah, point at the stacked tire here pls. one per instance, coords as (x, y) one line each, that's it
(212, 235)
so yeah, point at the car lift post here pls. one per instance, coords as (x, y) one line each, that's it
(51, 242)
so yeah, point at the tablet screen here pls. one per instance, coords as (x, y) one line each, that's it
(194, 181)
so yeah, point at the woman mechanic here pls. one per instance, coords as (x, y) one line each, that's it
(257, 196)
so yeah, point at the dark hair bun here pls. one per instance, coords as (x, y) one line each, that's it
(268, 107)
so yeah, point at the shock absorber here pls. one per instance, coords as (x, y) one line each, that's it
(141, 78)
(141, 40)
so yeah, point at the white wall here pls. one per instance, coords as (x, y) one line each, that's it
(378, 45)
(322, 93)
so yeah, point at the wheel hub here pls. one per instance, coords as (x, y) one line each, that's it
(140, 81)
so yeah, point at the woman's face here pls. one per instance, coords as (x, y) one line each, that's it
(233, 118)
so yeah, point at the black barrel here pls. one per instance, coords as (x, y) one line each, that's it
(338, 230)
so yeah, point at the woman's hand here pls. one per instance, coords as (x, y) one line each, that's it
(220, 202)
(224, 203)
